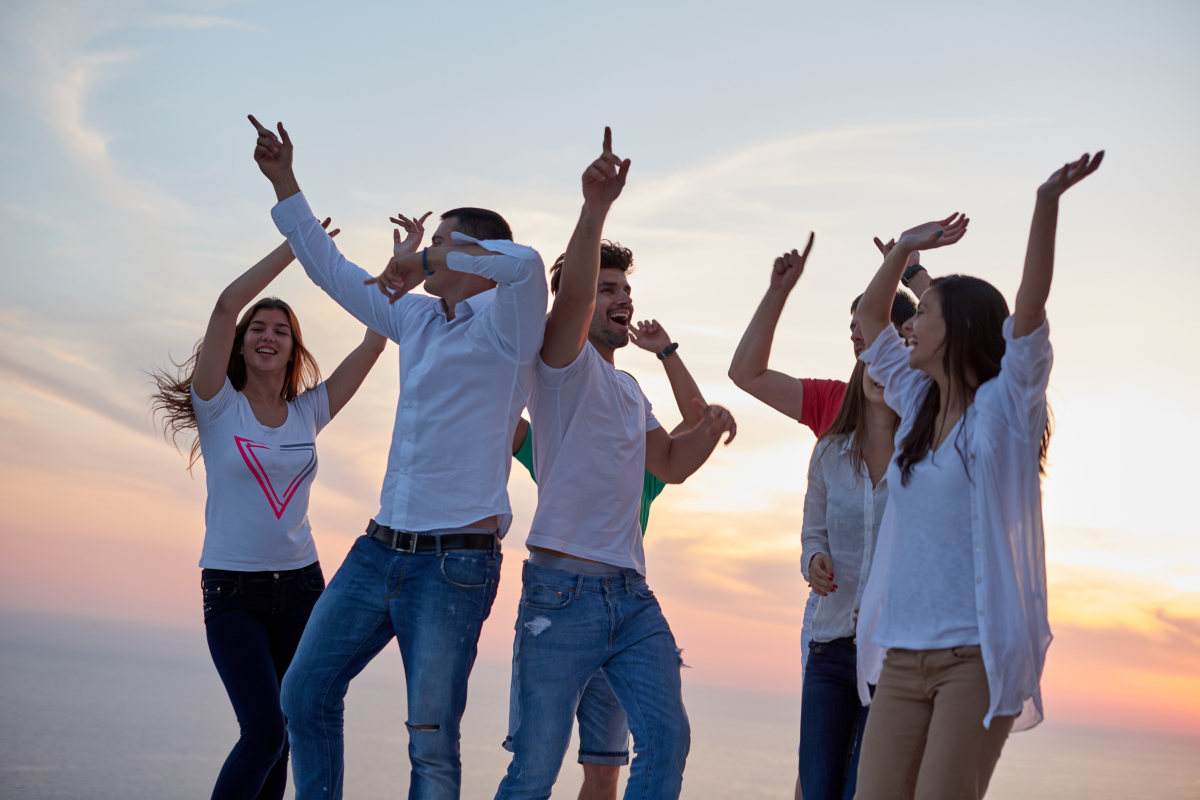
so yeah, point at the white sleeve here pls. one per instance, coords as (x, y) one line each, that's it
(887, 362)
(814, 535)
(1024, 377)
(208, 410)
(518, 314)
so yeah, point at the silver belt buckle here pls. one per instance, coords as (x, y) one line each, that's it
(412, 543)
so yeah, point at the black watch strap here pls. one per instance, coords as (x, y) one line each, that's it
(909, 272)
(668, 351)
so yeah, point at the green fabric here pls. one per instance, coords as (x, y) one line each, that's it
(651, 486)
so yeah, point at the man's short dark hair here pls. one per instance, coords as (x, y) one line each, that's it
(612, 256)
(904, 307)
(479, 223)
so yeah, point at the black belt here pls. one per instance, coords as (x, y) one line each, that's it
(410, 542)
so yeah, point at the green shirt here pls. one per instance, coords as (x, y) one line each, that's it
(651, 486)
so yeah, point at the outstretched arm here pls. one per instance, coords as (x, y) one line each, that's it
(875, 308)
(749, 370)
(350, 374)
(1039, 255)
(919, 279)
(651, 336)
(213, 362)
(672, 459)
(571, 313)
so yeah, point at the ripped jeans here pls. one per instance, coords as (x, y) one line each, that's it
(434, 605)
(568, 627)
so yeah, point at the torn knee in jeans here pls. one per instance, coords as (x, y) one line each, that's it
(423, 727)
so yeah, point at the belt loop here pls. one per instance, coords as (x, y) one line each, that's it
(437, 538)
(579, 586)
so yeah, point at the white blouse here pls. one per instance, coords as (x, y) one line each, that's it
(842, 512)
(1002, 441)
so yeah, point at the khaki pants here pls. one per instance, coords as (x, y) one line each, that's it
(926, 723)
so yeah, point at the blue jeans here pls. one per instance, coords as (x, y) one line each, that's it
(603, 726)
(568, 627)
(831, 721)
(434, 604)
(253, 622)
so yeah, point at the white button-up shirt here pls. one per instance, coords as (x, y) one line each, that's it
(1002, 441)
(842, 512)
(465, 381)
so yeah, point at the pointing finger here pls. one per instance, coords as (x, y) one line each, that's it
(607, 139)
(256, 124)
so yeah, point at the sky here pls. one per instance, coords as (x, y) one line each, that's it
(129, 198)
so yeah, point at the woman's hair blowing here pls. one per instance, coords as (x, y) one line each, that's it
(174, 396)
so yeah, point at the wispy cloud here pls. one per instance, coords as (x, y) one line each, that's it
(198, 22)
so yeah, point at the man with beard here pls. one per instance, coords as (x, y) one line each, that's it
(585, 605)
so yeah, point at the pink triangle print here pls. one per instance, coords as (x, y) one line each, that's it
(279, 503)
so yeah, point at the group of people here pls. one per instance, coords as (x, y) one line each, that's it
(922, 539)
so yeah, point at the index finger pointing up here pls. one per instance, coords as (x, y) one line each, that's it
(607, 139)
(256, 124)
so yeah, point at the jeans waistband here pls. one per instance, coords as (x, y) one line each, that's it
(208, 574)
(572, 565)
(627, 579)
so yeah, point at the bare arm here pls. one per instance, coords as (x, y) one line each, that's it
(673, 459)
(213, 362)
(571, 313)
(651, 336)
(350, 374)
(1039, 256)
(749, 370)
(519, 435)
(875, 308)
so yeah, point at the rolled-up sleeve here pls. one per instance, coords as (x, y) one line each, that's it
(519, 310)
(340, 278)
(1024, 377)
(887, 363)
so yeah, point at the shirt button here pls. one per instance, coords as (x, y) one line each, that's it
(276, 576)
(408, 405)
(403, 472)
(409, 439)
(979, 580)
(976, 516)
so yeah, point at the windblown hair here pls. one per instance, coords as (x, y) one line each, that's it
(173, 400)
(612, 256)
(852, 417)
(479, 223)
(974, 312)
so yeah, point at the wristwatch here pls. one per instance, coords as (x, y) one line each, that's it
(909, 273)
(668, 351)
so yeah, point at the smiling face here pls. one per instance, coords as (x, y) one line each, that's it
(872, 389)
(856, 336)
(614, 310)
(928, 334)
(267, 345)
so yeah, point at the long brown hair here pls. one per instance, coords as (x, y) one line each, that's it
(852, 417)
(974, 312)
(174, 396)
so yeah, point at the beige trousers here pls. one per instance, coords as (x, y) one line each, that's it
(926, 723)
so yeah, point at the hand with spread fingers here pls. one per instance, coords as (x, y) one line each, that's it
(649, 335)
(604, 178)
(790, 266)
(414, 229)
(934, 234)
(1069, 175)
(716, 420)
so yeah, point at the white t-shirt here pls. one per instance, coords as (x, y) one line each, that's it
(256, 517)
(930, 602)
(590, 457)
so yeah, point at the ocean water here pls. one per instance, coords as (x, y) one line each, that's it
(95, 709)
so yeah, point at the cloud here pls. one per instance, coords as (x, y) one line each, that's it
(197, 22)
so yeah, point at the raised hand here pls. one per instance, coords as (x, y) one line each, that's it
(415, 230)
(403, 272)
(325, 225)
(273, 153)
(790, 266)
(1069, 175)
(604, 179)
(717, 420)
(934, 234)
(649, 335)
(886, 247)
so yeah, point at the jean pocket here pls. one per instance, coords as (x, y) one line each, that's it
(548, 598)
(467, 570)
(969, 652)
(313, 583)
(216, 591)
(644, 592)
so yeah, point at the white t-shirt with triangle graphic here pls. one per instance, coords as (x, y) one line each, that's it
(256, 517)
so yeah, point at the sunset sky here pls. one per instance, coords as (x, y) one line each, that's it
(130, 198)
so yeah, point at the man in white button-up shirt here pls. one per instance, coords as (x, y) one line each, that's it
(585, 604)
(427, 571)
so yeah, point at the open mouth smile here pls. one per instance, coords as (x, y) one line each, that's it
(620, 317)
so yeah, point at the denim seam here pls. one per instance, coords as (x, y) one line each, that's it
(649, 749)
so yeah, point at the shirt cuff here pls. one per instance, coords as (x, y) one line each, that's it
(290, 213)
(505, 247)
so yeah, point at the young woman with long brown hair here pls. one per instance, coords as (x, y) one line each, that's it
(254, 396)
(957, 593)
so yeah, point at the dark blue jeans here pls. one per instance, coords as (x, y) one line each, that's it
(254, 621)
(831, 721)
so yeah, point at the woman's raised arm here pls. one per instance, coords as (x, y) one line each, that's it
(213, 362)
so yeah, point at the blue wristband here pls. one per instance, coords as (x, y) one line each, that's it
(425, 262)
